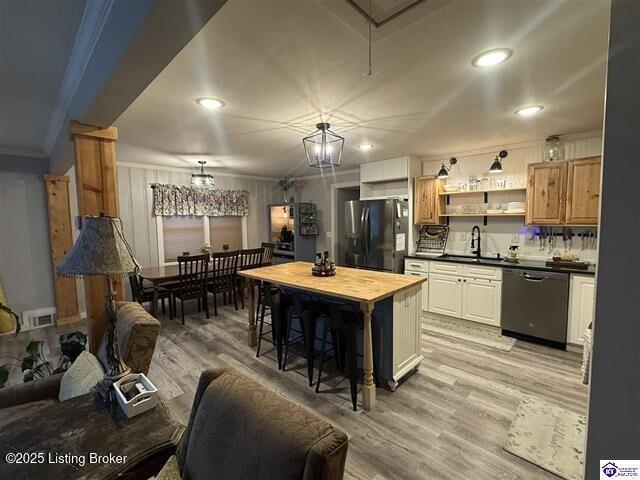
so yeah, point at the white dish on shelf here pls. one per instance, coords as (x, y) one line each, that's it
(494, 211)
(515, 206)
(451, 188)
(516, 210)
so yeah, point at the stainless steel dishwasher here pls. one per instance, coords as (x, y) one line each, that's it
(535, 304)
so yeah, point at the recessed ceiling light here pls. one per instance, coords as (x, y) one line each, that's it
(365, 146)
(210, 103)
(492, 57)
(529, 110)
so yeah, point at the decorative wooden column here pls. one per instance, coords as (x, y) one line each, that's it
(61, 241)
(369, 386)
(97, 185)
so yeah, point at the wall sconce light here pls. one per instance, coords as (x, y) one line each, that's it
(444, 171)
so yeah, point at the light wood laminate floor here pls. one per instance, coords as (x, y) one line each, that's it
(447, 421)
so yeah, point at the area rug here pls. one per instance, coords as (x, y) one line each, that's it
(463, 330)
(548, 436)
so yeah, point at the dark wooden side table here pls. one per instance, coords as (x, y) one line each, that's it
(69, 433)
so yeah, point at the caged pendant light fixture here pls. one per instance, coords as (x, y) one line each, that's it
(323, 147)
(202, 179)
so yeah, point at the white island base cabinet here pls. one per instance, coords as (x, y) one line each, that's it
(400, 337)
(581, 307)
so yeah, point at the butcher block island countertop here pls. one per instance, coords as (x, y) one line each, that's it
(349, 283)
(392, 300)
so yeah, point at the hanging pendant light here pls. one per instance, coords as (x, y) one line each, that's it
(323, 147)
(444, 171)
(202, 179)
(496, 166)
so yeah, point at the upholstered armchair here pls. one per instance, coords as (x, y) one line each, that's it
(137, 331)
(239, 429)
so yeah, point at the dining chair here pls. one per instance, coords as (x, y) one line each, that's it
(267, 256)
(223, 279)
(249, 258)
(141, 294)
(192, 282)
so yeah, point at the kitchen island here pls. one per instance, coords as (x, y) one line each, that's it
(392, 300)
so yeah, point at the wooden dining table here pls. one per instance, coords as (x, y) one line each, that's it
(366, 287)
(163, 275)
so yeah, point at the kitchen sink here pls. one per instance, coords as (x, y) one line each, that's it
(472, 259)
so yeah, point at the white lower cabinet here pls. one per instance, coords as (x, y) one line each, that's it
(581, 307)
(445, 294)
(481, 300)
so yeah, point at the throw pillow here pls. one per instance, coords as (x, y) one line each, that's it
(81, 377)
(170, 471)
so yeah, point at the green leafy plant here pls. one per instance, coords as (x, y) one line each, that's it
(35, 365)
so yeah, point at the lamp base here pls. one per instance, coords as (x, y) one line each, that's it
(116, 368)
(105, 386)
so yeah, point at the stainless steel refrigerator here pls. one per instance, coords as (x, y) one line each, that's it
(376, 234)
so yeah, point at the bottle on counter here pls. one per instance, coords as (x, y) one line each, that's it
(327, 260)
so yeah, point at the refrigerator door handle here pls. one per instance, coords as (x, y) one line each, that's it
(365, 237)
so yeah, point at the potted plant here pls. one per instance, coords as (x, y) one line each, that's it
(289, 186)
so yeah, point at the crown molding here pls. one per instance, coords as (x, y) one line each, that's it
(21, 152)
(512, 146)
(94, 18)
(146, 166)
(333, 174)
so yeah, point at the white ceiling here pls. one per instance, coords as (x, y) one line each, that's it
(284, 65)
(36, 39)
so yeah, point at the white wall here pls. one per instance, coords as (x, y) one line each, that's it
(317, 189)
(136, 203)
(499, 233)
(25, 256)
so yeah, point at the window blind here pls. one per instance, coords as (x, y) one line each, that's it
(182, 234)
(225, 230)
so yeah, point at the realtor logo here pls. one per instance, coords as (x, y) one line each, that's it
(628, 469)
(610, 469)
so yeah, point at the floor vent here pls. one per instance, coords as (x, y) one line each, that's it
(43, 317)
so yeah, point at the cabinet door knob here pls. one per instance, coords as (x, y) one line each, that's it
(464, 280)
(458, 279)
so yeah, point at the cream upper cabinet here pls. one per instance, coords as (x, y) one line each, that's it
(546, 193)
(395, 168)
(582, 292)
(481, 300)
(371, 172)
(445, 294)
(583, 191)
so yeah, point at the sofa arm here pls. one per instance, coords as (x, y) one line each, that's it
(40, 389)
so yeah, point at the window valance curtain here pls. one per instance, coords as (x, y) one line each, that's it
(170, 200)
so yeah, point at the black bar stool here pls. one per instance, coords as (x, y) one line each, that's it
(307, 309)
(346, 320)
(275, 304)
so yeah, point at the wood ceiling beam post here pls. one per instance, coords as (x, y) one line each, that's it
(61, 241)
(97, 186)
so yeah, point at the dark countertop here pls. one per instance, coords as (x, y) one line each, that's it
(523, 264)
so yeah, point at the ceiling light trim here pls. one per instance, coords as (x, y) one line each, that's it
(94, 18)
(476, 61)
(529, 110)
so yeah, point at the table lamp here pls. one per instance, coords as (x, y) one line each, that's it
(101, 249)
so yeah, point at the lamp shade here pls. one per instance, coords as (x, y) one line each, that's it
(496, 166)
(202, 179)
(101, 249)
